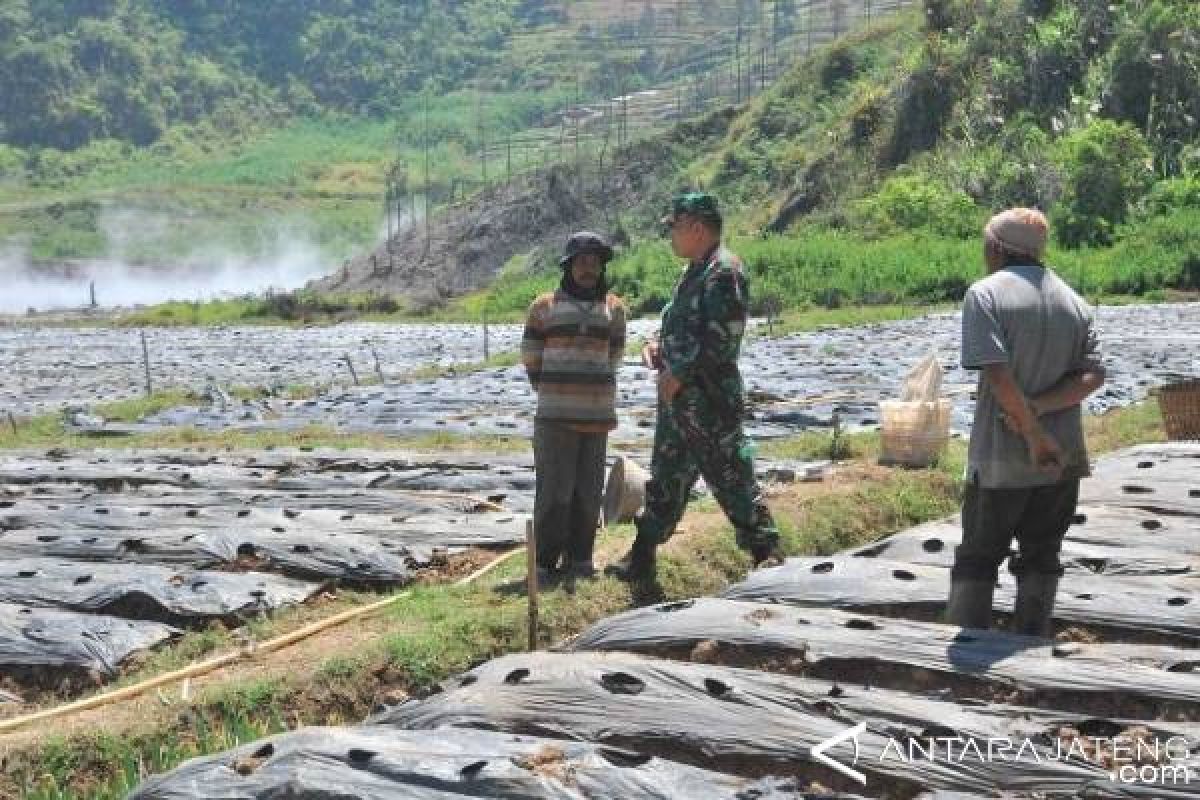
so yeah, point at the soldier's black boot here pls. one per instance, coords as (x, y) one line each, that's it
(767, 554)
(639, 565)
(761, 539)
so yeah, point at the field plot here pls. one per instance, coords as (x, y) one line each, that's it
(749, 683)
(795, 382)
(51, 368)
(376, 762)
(106, 554)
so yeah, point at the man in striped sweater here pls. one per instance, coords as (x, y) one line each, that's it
(574, 342)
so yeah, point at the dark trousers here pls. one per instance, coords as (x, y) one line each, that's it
(1037, 518)
(570, 482)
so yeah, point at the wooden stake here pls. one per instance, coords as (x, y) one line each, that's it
(350, 364)
(13, 422)
(146, 364)
(531, 551)
(378, 367)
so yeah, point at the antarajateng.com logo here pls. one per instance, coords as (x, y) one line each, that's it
(1133, 757)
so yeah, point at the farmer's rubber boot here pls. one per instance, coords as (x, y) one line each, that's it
(1033, 613)
(970, 604)
(639, 564)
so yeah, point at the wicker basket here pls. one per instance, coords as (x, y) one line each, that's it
(913, 434)
(1180, 406)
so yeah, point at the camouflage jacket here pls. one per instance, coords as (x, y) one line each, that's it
(702, 326)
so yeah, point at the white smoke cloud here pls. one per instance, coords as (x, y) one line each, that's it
(22, 285)
(207, 272)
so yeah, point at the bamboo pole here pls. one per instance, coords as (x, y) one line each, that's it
(486, 347)
(196, 670)
(488, 567)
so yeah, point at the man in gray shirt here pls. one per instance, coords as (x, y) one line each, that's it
(1032, 338)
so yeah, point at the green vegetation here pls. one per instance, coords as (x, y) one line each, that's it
(126, 70)
(870, 166)
(823, 268)
(865, 174)
(126, 74)
(300, 307)
(49, 430)
(141, 110)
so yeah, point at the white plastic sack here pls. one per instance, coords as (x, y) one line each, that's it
(924, 381)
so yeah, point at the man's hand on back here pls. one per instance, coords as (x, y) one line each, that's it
(1044, 451)
(1021, 417)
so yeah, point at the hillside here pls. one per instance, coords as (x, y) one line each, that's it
(895, 141)
(120, 75)
(1085, 108)
(871, 166)
(139, 135)
(128, 70)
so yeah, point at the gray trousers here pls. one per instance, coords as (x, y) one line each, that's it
(570, 482)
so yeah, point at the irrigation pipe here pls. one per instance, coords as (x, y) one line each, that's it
(213, 664)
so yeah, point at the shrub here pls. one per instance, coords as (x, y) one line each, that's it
(1108, 168)
(1157, 252)
(1169, 195)
(12, 162)
(913, 202)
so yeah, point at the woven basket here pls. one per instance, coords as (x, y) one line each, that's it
(1180, 406)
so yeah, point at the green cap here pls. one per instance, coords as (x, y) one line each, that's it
(694, 204)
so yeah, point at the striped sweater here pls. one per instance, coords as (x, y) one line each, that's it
(571, 351)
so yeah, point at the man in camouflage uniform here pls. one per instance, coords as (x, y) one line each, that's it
(701, 401)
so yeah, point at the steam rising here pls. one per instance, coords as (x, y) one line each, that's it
(286, 261)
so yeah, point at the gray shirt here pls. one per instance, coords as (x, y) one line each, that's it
(1028, 318)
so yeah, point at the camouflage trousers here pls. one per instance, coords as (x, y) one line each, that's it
(697, 436)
